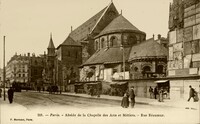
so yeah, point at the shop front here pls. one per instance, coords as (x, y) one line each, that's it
(165, 86)
(118, 88)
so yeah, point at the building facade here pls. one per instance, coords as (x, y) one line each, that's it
(25, 70)
(123, 55)
(35, 74)
(17, 69)
(69, 58)
(184, 47)
(1, 77)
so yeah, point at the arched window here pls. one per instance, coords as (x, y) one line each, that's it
(102, 43)
(146, 69)
(135, 69)
(113, 41)
(160, 69)
(96, 45)
(131, 40)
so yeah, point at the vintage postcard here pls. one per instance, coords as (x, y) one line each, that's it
(99, 61)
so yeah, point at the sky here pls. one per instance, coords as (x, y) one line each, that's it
(27, 24)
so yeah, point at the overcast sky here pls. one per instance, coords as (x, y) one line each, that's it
(27, 24)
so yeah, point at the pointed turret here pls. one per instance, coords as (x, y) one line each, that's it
(51, 47)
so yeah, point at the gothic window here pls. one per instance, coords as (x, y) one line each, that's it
(102, 43)
(113, 41)
(131, 40)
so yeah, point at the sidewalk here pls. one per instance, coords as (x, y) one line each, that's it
(145, 101)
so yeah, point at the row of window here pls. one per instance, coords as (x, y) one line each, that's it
(131, 40)
(19, 70)
(20, 75)
(70, 54)
(159, 69)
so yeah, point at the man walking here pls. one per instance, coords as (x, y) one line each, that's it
(132, 97)
(155, 92)
(151, 92)
(10, 95)
(0, 92)
(191, 93)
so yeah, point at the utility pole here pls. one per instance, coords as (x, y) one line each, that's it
(123, 60)
(4, 69)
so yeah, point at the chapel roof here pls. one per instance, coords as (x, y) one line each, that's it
(119, 24)
(108, 56)
(148, 48)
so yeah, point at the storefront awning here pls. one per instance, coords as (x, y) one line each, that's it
(118, 83)
(78, 84)
(161, 81)
(92, 83)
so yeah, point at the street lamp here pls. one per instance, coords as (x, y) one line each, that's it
(123, 59)
(4, 69)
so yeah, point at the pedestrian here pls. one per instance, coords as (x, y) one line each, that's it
(191, 93)
(155, 92)
(10, 95)
(132, 97)
(160, 98)
(98, 91)
(91, 90)
(0, 92)
(125, 101)
(151, 92)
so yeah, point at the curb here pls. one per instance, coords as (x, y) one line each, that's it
(106, 99)
(117, 101)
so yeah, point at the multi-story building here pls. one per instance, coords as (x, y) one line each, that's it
(1, 77)
(17, 69)
(184, 47)
(25, 69)
(36, 68)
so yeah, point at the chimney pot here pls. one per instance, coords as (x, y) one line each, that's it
(159, 36)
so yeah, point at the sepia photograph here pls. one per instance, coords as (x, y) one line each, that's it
(99, 61)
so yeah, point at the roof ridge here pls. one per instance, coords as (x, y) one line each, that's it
(88, 20)
(106, 8)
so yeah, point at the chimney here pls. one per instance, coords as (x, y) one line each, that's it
(159, 36)
(153, 36)
(71, 28)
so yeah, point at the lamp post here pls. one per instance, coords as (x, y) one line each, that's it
(123, 59)
(4, 69)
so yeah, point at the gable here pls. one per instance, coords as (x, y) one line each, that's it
(95, 24)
